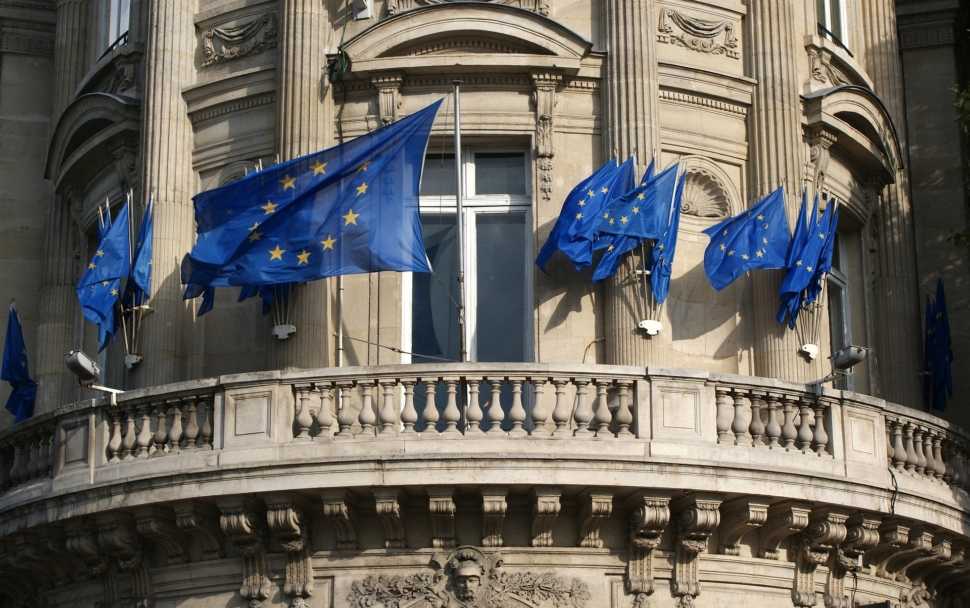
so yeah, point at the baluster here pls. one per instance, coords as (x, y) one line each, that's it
(430, 413)
(303, 420)
(805, 434)
(325, 419)
(388, 410)
(624, 416)
(33, 443)
(725, 415)
(890, 452)
(410, 415)
(367, 418)
(16, 475)
(742, 417)
(161, 432)
(345, 417)
(540, 409)
(821, 439)
(191, 434)
(899, 449)
(774, 428)
(175, 431)
(584, 409)
(757, 427)
(128, 440)
(602, 416)
(946, 459)
(910, 451)
(517, 412)
(562, 412)
(494, 412)
(918, 445)
(788, 431)
(47, 453)
(144, 439)
(451, 415)
(473, 411)
(931, 466)
(205, 433)
(114, 443)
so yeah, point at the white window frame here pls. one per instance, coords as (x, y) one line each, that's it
(826, 20)
(473, 205)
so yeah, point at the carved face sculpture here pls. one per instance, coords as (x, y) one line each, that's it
(468, 580)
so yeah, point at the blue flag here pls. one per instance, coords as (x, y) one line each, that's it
(662, 255)
(350, 209)
(824, 265)
(805, 224)
(615, 246)
(803, 271)
(757, 238)
(938, 351)
(16, 372)
(579, 205)
(643, 212)
(100, 285)
(141, 267)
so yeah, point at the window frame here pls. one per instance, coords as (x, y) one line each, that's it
(824, 18)
(473, 205)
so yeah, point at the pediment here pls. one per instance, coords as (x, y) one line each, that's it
(463, 43)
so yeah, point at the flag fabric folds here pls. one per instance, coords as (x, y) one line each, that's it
(938, 351)
(813, 236)
(100, 285)
(643, 212)
(16, 371)
(757, 238)
(141, 266)
(349, 209)
(662, 255)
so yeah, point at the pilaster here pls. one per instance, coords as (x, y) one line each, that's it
(70, 41)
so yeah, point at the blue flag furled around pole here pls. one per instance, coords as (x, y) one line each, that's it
(757, 238)
(938, 351)
(16, 372)
(100, 285)
(805, 261)
(824, 265)
(350, 209)
(141, 266)
(578, 211)
(662, 255)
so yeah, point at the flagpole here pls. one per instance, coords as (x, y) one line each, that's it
(462, 346)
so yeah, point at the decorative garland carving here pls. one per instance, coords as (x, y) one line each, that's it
(466, 578)
(537, 6)
(221, 44)
(697, 34)
(544, 100)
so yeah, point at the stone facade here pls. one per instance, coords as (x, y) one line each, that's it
(700, 467)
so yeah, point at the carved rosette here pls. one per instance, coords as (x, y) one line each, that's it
(696, 34)
(649, 518)
(221, 44)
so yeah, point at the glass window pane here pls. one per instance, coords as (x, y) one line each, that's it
(500, 306)
(835, 18)
(434, 324)
(500, 173)
(438, 178)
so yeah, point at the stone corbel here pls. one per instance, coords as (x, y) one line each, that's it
(388, 506)
(201, 523)
(595, 509)
(336, 508)
(955, 569)
(920, 546)
(287, 521)
(738, 517)
(441, 506)
(649, 518)
(118, 539)
(126, 164)
(893, 535)
(244, 527)
(919, 568)
(544, 98)
(697, 516)
(388, 96)
(545, 511)
(784, 519)
(158, 525)
(820, 141)
(494, 508)
(824, 534)
(862, 534)
(81, 539)
(41, 551)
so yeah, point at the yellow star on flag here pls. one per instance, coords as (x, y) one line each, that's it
(318, 168)
(623, 220)
(723, 248)
(100, 253)
(328, 242)
(606, 216)
(730, 253)
(760, 253)
(303, 258)
(579, 215)
(582, 203)
(254, 236)
(590, 193)
(761, 217)
(636, 210)
(276, 253)
(350, 217)
(254, 226)
(269, 207)
(641, 196)
(362, 188)
(114, 292)
(92, 266)
(288, 182)
(610, 248)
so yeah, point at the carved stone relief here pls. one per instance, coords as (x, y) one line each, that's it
(708, 192)
(544, 100)
(467, 578)
(221, 44)
(696, 34)
(537, 6)
(823, 71)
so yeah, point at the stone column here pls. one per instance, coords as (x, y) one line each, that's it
(775, 134)
(166, 157)
(69, 51)
(304, 124)
(898, 323)
(633, 127)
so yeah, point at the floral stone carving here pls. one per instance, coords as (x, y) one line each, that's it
(715, 37)
(221, 44)
(466, 578)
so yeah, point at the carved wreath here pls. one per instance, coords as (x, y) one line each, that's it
(220, 44)
(697, 34)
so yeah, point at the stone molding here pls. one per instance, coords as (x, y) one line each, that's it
(697, 34)
(227, 43)
(26, 38)
(703, 101)
(541, 7)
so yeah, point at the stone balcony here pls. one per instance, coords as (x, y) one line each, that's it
(611, 463)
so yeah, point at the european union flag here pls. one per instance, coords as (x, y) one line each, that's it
(791, 303)
(100, 285)
(643, 212)
(757, 238)
(16, 372)
(662, 255)
(938, 351)
(141, 267)
(615, 246)
(349, 209)
(579, 207)
(804, 270)
(824, 265)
